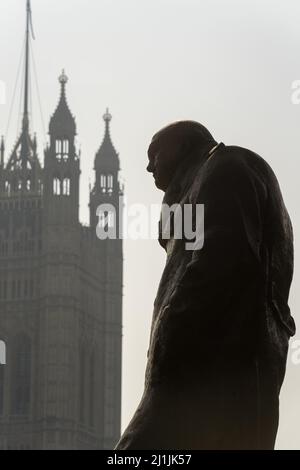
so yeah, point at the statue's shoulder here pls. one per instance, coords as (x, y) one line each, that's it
(232, 160)
(236, 155)
(231, 166)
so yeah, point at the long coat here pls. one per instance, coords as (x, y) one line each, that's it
(221, 321)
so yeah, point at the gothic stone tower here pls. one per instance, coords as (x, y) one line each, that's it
(107, 191)
(60, 294)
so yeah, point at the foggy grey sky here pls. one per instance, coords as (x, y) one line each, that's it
(226, 63)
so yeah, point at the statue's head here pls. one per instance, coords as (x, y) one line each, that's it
(173, 144)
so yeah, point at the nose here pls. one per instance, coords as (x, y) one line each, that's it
(150, 167)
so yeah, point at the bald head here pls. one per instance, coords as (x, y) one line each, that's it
(171, 145)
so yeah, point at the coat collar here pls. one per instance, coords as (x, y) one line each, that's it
(185, 173)
(183, 179)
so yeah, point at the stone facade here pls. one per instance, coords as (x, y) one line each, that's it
(60, 295)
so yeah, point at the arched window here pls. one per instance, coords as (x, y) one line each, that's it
(28, 184)
(65, 149)
(103, 183)
(56, 186)
(110, 183)
(21, 376)
(66, 187)
(19, 185)
(2, 352)
(58, 149)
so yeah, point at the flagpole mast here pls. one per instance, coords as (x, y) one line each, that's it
(26, 87)
(24, 151)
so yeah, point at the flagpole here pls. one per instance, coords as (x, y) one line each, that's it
(26, 91)
(31, 25)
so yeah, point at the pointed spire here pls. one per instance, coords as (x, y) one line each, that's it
(62, 121)
(63, 80)
(107, 157)
(107, 117)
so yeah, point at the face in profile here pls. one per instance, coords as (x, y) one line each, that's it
(172, 144)
(163, 156)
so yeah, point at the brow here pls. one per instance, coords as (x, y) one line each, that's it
(152, 150)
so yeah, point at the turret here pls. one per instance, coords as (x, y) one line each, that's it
(107, 166)
(61, 173)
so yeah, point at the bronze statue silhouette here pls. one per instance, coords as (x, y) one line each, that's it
(221, 322)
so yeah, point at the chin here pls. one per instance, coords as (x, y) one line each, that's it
(160, 186)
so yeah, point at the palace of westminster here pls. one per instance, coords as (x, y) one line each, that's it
(60, 291)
